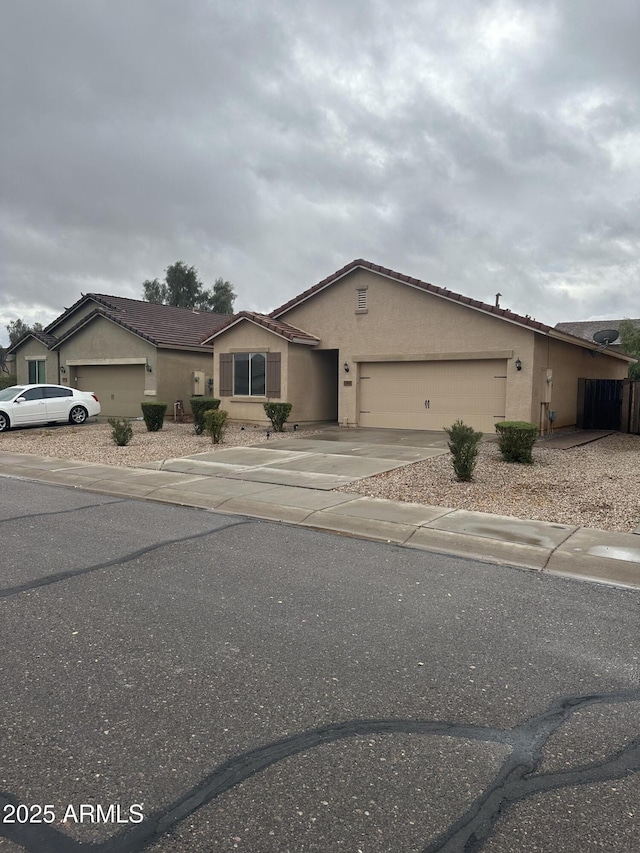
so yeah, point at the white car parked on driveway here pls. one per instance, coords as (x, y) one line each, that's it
(22, 405)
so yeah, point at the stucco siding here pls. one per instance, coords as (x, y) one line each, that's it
(312, 385)
(175, 376)
(404, 323)
(33, 349)
(103, 339)
(567, 364)
(73, 319)
(247, 337)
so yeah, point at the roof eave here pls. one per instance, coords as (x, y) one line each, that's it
(89, 318)
(588, 345)
(190, 347)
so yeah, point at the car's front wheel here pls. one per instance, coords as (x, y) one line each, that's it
(4, 422)
(78, 415)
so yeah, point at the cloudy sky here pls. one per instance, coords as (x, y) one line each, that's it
(482, 146)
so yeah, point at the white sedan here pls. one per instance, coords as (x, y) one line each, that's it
(21, 405)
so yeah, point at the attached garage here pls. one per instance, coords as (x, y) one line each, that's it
(433, 394)
(120, 388)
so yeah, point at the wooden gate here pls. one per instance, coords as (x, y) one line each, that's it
(609, 404)
(631, 406)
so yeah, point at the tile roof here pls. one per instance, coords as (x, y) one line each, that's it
(290, 333)
(47, 340)
(586, 329)
(414, 282)
(162, 325)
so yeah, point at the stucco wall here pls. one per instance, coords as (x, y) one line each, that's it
(34, 349)
(102, 341)
(74, 318)
(175, 376)
(247, 337)
(403, 323)
(312, 384)
(567, 364)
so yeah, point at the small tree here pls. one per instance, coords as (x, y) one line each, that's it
(222, 297)
(18, 329)
(278, 414)
(200, 405)
(464, 444)
(516, 440)
(630, 343)
(183, 289)
(121, 431)
(153, 414)
(214, 423)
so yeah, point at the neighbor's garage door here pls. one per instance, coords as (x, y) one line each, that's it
(433, 394)
(120, 388)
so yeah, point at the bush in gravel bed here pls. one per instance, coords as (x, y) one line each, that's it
(277, 414)
(121, 431)
(516, 440)
(214, 423)
(153, 414)
(464, 444)
(200, 405)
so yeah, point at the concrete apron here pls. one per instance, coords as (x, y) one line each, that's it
(583, 553)
(306, 463)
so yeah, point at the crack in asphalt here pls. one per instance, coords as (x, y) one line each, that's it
(62, 511)
(514, 781)
(116, 561)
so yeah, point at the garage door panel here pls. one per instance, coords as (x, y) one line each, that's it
(120, 388)
(432, 395)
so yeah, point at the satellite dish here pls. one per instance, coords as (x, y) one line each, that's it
(606, 337)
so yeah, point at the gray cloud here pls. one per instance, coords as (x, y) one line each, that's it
(490, 148)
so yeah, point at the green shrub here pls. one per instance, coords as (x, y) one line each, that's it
(214, 423)
(516, 440)
(7, 380)
(121, 431)
(153, 414)
(278, 414)
(200, 405)
(464, 444)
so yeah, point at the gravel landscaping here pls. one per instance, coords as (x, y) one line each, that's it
(594, 485)
(92, 442)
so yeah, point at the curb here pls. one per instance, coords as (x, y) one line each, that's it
(560, 550)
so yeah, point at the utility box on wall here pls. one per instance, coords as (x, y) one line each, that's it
(199, 387)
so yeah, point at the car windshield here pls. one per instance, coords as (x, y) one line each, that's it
(10, 393)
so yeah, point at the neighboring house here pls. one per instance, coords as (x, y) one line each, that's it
(125, 350)
(371, 347)
(588, 328)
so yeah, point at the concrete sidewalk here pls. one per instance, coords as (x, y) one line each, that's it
(557, 549)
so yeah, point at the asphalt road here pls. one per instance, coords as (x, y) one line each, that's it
(179, 680)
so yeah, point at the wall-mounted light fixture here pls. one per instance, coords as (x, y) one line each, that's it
(518, 364)
(346, 367)
(149, 368)
(63, 369)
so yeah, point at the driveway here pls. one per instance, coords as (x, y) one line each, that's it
(334, 457)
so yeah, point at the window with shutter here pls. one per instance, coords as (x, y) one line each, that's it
(250, 375)
(226, 374)
(273, 374)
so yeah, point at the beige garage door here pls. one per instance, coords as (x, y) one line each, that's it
(433, 394)
(120, 388)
